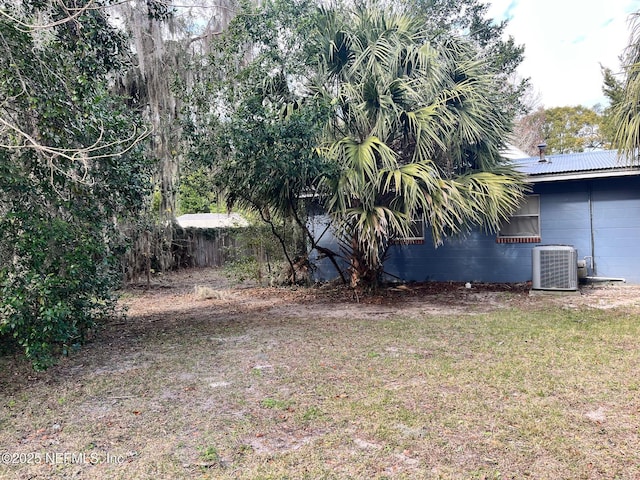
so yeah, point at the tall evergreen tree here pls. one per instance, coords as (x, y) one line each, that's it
(468, 18)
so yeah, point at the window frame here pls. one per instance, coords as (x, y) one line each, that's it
(417, 240)
(533, 237)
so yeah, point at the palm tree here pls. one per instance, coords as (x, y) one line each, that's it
(626, 111)
(414, 133)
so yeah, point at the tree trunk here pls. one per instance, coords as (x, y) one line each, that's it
(363, 276)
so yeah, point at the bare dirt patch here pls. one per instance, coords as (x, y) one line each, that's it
(208, 287)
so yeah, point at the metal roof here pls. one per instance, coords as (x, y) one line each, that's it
(596, 164)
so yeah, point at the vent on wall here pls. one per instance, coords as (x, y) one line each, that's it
(555, 267)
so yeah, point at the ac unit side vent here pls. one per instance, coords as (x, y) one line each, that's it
(555, 267)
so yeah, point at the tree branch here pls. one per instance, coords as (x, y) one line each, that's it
(73, 154)
(330, 254)
(280, 240)
(30, 28)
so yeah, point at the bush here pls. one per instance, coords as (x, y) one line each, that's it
(55, 289)
(71, 169)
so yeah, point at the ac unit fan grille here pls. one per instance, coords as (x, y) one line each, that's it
(555, 268)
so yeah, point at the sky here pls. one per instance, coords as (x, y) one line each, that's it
(565, 43)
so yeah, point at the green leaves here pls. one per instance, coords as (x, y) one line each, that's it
(55, 287)
(370, 111)
(572, 129)
(70, 169)
(412, 123)
(626, 109)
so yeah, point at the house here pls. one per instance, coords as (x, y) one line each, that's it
(589, 200)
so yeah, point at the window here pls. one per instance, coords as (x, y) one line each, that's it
(416, 234)
(524, 225)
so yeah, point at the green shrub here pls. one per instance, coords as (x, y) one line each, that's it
(58, 284)
(71, 169)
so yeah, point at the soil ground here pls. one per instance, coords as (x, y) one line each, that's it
(206, 379)
(209, 287)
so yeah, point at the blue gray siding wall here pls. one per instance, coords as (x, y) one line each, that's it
(599, 217)
(474, 258)
(616, 213)
(319, 225)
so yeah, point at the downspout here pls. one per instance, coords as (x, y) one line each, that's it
(593, 242)
(594, 277)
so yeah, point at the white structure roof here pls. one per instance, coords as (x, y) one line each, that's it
(212, 220)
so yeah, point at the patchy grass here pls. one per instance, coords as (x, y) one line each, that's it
(231, 388)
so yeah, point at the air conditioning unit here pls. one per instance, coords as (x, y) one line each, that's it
(555, 267)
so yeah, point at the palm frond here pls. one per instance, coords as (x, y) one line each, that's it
(415, 133)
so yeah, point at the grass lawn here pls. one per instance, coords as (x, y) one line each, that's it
(254, 384)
